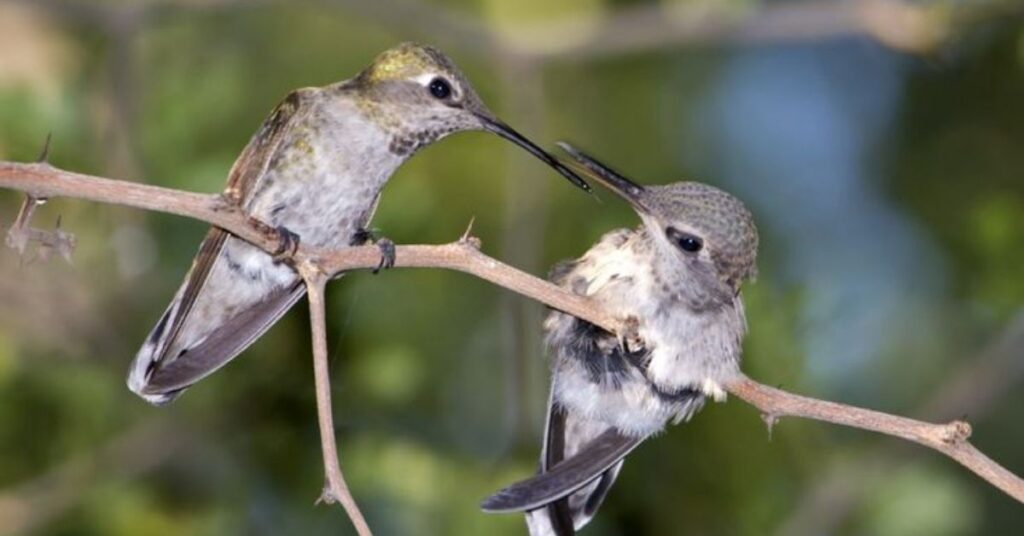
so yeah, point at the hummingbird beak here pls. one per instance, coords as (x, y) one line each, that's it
(494, 125)
(609, 178)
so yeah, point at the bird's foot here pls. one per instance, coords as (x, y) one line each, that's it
(287, 245)
(387, 254)
(385, 245)
(630, 340)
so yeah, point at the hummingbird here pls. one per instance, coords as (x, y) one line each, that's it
(676, 278)
(314, 170)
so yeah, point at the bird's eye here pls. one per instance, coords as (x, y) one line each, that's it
(686, 241)
(690, 243)
(440, 88)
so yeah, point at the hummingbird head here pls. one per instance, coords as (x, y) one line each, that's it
(706, 235)
(418, 95)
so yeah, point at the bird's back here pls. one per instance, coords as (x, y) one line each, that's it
(305, 171)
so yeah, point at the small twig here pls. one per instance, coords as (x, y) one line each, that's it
(949, 439)
(464, 256)
(19, 235)
(317, 266)
(467, 235)
(48, 181)
(44, 181)
(971, 388)
(44, 155)
(335, 487)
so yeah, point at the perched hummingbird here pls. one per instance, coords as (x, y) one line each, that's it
(315, 169)
(678, 275)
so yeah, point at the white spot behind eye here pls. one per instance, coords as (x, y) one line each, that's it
(425, 79)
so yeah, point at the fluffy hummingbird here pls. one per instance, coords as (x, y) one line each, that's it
(315, 170)
(678, 275)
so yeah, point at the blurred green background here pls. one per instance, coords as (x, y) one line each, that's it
(880, 146)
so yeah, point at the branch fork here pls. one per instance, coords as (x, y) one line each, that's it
(21, 233)
(316, 267)
(335, 488)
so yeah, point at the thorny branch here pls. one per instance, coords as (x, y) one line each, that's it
(950, 439)
(970, 389)
(42, 180)
(335, 489)
(21, 233)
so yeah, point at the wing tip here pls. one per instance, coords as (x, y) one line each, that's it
(493, 504)
(139, 383)
(523, 496)
(153, 396)
(565, 478)
(502, 502)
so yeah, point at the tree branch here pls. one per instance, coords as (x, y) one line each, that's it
(335, 488)
(970, 389)
(949, 439)
(44, 181)
(41, 180)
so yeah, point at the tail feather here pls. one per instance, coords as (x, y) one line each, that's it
(160, 381)
(558, 514)
(147, 360)
(569, 436)
(580, 462)
(573, 512)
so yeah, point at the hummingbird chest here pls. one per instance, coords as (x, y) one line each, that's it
(686, 354)
(325, 179)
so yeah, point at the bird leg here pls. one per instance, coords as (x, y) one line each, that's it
(288, 244)
(385, 245)
(630, 341)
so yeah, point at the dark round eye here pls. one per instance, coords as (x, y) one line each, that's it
(440, 88)
(690, 243)
(686, 241)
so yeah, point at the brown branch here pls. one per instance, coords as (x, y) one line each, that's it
(971, 389)
(464, 256)
(20, 232)
(335, 487)
(42, 180)
(949, 439)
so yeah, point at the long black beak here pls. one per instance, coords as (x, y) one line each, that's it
(611, 179)
(507, 132)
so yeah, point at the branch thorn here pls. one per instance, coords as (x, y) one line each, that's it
(326, 496)
(956, 432)
(468, 234)
(19, 233)
(770, 420)
(44, 155)
(467, 239)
